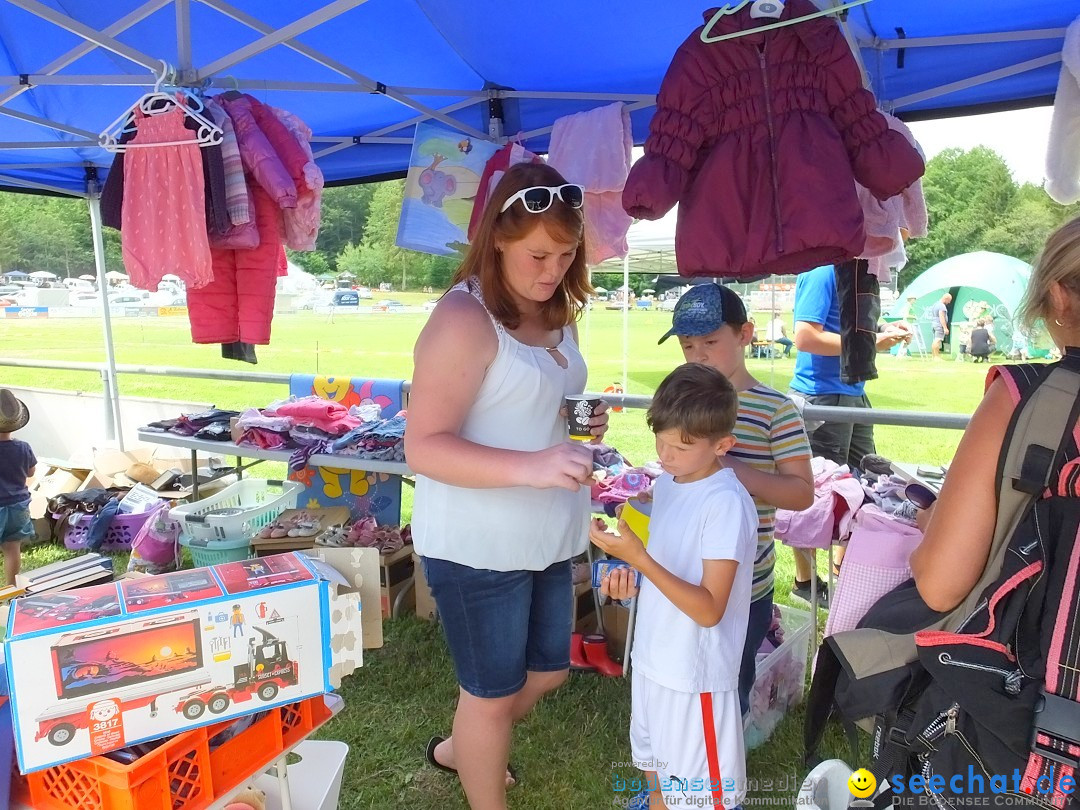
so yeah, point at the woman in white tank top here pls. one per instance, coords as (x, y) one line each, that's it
(502, 499)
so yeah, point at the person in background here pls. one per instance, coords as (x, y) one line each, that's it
(686, 728)
(502, 495)
(817, 377)
(770, 457)
(939, 316)
(982, 341)
(960, 525)
(17, 465)
(777, 333)
(964, 331)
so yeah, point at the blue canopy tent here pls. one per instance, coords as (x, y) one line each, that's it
(362, 74)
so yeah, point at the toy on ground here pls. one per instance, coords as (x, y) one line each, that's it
(250, 799)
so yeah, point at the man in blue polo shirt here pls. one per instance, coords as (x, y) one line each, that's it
(817, 369)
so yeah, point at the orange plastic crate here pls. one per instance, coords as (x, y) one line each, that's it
(181, 774)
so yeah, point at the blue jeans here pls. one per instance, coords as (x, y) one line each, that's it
(756, 628)
(15, 523)
(500, 625)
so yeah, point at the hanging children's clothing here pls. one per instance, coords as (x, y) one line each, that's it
(761, 139)
(510, 155)
(163, 216)
(301, 224)
(593, 148)
(237, 202)
(1063, 148)
(260, 160)
(238, 305)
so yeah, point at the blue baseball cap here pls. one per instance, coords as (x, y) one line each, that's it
(704, 309)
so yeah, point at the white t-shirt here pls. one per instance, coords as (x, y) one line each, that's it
(775, 330)
(710, 519)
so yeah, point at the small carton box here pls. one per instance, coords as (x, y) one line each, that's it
(395, 575)
(150, 657)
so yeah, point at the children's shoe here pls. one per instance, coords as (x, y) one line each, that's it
(578, 661)
(802, 590)
(596, 653)
(639, 802)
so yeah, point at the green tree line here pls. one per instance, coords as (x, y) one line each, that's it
(974, 204)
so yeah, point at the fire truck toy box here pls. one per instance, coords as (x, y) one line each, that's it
(148, 658)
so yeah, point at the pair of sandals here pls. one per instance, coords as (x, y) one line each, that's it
(366, 533)
(301, 524)
(436, 741)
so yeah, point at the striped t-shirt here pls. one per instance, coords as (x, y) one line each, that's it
(768, 430)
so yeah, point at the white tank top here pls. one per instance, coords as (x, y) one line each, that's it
(516, 408)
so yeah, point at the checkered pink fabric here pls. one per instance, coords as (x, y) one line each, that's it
(876, 562)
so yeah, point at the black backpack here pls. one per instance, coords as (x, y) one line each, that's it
(979, 704)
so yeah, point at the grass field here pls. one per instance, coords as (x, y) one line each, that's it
(380, 345)
(565, 752)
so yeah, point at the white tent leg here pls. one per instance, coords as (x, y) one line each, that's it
(625, 320)
(112, 398)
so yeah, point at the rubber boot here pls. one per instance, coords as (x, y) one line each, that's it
(577, 654)
(596, 653)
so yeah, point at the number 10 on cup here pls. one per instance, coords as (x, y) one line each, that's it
(579, 410)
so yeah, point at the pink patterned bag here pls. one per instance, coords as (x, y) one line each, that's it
(876, 561)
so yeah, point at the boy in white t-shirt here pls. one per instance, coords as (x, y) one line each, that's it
(686, 729)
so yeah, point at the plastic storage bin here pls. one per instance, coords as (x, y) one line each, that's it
(781, 678)
(245, 507)
(183, 773)
(215, 552)
(118, 536)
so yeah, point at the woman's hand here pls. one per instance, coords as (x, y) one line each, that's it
(599, 422)
(625, 545)
(619, 584)
(567, 466)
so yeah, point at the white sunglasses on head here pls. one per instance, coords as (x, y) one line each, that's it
(538, 199)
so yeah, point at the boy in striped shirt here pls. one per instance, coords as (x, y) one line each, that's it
(771, 456)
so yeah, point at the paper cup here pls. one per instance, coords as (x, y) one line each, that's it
(579, 410)
(636, 514)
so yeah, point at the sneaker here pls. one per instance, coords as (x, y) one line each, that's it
(802, 590)
(639, 802)
(878, 465)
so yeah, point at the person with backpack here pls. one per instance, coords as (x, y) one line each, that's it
(970, 672)
(948, 562)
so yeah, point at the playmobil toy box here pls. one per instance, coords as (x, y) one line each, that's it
(96, 669)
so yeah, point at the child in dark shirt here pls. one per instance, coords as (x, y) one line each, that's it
(17, 465)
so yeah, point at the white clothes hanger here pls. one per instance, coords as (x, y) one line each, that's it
(156, 102)
(728, 9)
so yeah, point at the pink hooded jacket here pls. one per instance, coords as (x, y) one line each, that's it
(259, 156)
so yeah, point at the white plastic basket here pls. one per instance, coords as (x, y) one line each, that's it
(259, 500)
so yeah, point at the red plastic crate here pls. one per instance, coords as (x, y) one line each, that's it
(181, 774)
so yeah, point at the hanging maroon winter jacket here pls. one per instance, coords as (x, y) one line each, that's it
(760, 139)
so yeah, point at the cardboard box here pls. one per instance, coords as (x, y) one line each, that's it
(360, 569)
(616, 621)
(150, 657)
(584, 608)
(425, 602)
(395, 575)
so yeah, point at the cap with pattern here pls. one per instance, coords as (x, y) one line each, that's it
(704, 309)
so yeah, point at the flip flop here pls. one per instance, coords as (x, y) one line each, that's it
(434, 743)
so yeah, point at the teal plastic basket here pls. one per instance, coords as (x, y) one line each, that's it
(215, 552)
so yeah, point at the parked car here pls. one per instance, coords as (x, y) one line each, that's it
(346, 298)
(363, 292)
(126, 300)
(388, 305)
(668, 305)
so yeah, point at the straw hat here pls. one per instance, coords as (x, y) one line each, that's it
(13, 412)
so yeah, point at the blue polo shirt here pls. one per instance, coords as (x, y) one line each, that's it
(816, 302)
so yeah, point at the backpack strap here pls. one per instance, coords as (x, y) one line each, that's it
(1038, 434)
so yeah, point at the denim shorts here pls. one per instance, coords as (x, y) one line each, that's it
(15, 524)
(500, 625)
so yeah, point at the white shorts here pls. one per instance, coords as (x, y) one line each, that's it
(698, 763)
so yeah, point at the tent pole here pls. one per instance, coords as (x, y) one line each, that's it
(113, 423)
(625, 319)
